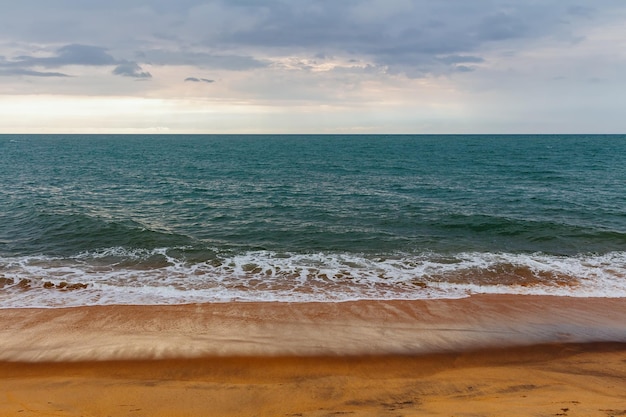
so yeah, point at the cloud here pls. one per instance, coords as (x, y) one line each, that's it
(463, 68)
(461, 59)
(73, 54)
(22, 71)
(199, 80)
(131, 69)
(403, 36)
(583, 11)
(231, 62)
(502, 26)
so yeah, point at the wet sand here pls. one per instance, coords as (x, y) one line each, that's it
(480, 356)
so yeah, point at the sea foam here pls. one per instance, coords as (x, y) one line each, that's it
(162, 276)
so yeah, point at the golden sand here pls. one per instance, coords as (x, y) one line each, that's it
(555, 380)
(481, 356)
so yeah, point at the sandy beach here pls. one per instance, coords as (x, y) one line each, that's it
(479, 356)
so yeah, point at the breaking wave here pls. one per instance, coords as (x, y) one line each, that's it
(188, 275)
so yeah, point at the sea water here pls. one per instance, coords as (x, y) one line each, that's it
(149, 219)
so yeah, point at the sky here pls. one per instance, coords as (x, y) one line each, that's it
(313, 66)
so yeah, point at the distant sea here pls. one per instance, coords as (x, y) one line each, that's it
(144, 219)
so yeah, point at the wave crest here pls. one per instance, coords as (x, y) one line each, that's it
(183, 274)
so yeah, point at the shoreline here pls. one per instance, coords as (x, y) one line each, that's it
(479, 356)
(127, 332)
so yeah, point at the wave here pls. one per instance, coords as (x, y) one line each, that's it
(63, 232)
(538, 235)
(185, 275)
(368, 224)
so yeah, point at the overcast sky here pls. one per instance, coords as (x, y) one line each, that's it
(313, 66)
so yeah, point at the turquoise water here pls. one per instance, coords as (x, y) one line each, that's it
(169, 219)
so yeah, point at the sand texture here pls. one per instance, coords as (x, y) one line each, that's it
(555, 380)
(480, 356)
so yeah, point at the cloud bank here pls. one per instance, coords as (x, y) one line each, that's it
(419, 64)
(70, 55)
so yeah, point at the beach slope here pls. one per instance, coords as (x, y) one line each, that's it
(479, 356)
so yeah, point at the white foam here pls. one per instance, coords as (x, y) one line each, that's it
(285, 277)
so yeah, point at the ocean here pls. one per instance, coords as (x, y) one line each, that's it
(173, 219)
